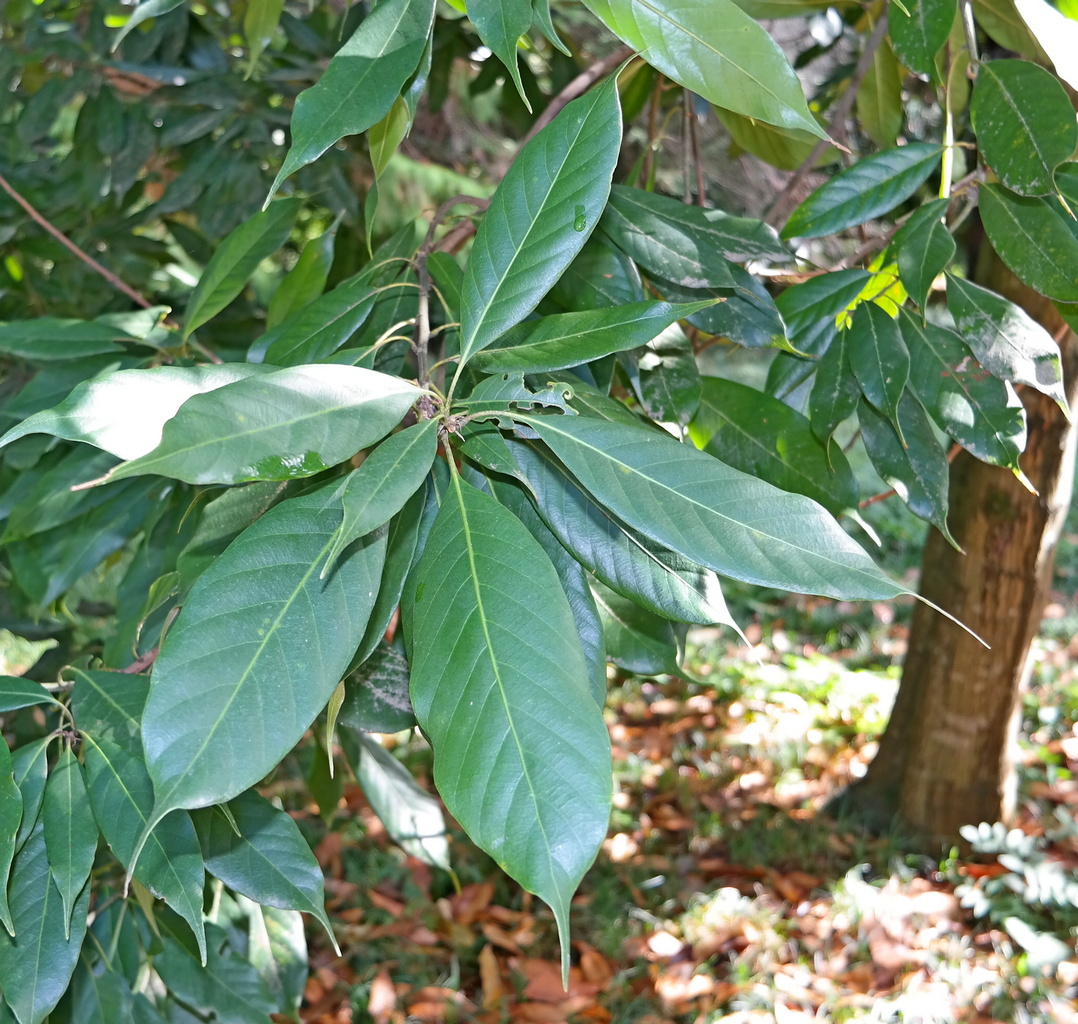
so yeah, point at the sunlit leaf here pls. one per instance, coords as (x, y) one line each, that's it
(918, 31)
(545, 208)
(878, 357)
(500, 23)
(925, 250)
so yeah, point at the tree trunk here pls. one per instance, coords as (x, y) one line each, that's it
(944, 760)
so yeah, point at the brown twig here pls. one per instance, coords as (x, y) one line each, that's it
(56, 233)
(141, 663)
(577, 87)
(835, 126)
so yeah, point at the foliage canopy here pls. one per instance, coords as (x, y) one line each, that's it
(506, 437)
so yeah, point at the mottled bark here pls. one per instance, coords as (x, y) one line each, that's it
(944, 760)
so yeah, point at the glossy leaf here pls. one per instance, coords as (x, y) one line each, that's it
(70, 830)
(109, 705)
(124, 412)
(878, 357)
(981, 412)
(376, 694)
(412, 817)
(574, 582)
(236, 259)
(269, 861)
(363, 79)
(716, 50)
(636, 639)
(378, 490)
(17, 692)
(146, 9)
(319, 329)
(31, 770)
(225, 985)
(762, 436)
(36, 965)
(500, 687)
(879, 98)
(784, 148)
(305, 281)
(10, 819)
(1024, 122)
(925, 250)
(626, 560)
(835, 390)
(568, 339)
(540, 217)
(290, 423)
(50, 338)
(500, 23)
(121, 797)
(277, 946)
(712, 514)
(914, 465)
(815, 304)
(255, 654)
(1005, 339)
(1033, 239)
(919, 32)
(600, 275)
(871, 187)
(669, 378)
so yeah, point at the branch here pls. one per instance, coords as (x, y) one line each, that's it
(836, 125)
(56, 233)
(577, 87)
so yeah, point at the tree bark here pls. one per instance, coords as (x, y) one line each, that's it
(945, 758)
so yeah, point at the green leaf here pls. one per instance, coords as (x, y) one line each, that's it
(784, 148)
(259, 27)
(1033, 239)
(710, 513)
(223, 984)
(764, 437)
(236, 259)
(363, 79)
(812, 306)
(16, 692)
(626, 560)
(669, 378)
(70, 831)
(146, 9)
(879, 98)
(31, 770)
(124, 412)
(277, 946)
(305, 281)
(401, 543)
(835, 390)
(1006, 340)
(567, 339)
(290, 423)
(636, 639)
(121, 797)
(871, 187)
(599, 276)
(100, 998)
(574, 581)
(925, 250)
(914, 464)
(109, 705)
(256, 652)
(49, 338)
(981, 412)
(36, 965)
(411, 816)
(878, 357)
(919, 32)
(500, 24)
(319, 329)
(541, 14)
(269, 861)
(379, 489)
(540, 217)
(714, 49)
(376, 693)
(10, 820)
(500, 687)
(1024, 122)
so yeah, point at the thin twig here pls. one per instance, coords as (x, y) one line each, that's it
(577, 87)
(836, 125)
(141, 663)
(56, 233)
